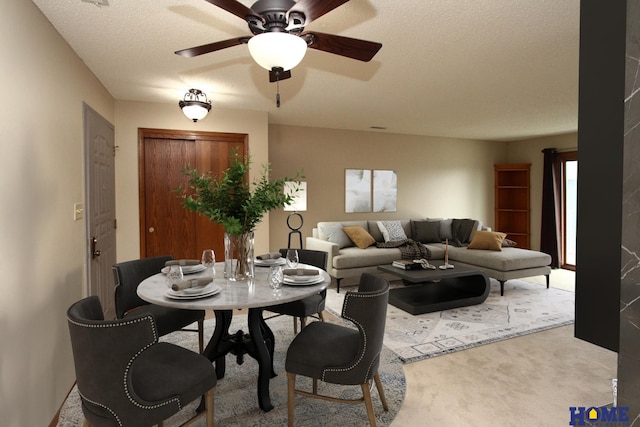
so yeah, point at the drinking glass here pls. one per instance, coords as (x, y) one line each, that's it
(292, 258)
(208, 260)
(174, 275)
(275, 277)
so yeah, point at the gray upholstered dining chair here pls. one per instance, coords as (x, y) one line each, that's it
(125, 377)
(128, 275)
(306, 307)
(343, 355)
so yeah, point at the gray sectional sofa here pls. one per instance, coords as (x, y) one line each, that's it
(347, 260)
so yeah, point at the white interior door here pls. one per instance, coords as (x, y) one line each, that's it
(100, 207)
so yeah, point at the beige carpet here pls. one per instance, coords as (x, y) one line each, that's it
(530, 380)
(526, 381)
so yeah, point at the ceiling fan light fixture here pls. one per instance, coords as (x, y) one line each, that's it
(195, 105)
(277, 49)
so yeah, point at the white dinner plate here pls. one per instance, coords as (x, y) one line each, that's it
(289, 280)
(188, 269)
(270, 262)
(205, 291)
(301, 278)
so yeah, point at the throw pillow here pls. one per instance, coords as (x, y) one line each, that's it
(508, 243)
(392, 231)
(487, 240)
(359, 236)
(336, 235)
(445, 228)
(426, 231)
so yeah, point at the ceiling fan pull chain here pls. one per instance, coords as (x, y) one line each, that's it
(278, 93)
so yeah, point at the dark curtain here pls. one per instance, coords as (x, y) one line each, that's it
(551, 207)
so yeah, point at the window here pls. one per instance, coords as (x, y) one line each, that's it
(569, 173)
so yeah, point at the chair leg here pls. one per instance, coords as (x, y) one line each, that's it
(160, 424)
(315, 386)
(383, 398)
(291, 394)
(295, 325)
(303, 323)
(201, 335)
(85, 423)
(209, 402)
(366, 394)
(321, 316)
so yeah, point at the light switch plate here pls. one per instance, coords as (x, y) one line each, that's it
(78, 211)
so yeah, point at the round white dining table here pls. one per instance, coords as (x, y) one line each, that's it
(255, 295)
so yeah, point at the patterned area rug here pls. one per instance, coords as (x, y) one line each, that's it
(525, 308)
(236, 401)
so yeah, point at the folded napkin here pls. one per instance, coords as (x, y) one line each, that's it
(192, 283)
(270, 255)
(301, 272)
(182, 262)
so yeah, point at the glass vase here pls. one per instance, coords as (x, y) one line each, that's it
(238, 256)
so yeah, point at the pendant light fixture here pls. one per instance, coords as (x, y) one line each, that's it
(277, 50)
(195, 105)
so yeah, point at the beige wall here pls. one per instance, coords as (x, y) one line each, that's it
(437, 177)
(42, 175)
(530, 151)
(133, 115)
(42, 250)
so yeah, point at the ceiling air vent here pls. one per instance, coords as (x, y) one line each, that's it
(98, 2)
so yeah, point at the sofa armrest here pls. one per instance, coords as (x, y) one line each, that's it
(331, 249)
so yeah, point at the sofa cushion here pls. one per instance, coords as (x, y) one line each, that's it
(487, 240)
(445, 227)
(359, 236)
(507, 259)
(370, 257)
(392, 231)
(426, 231)
(335, 234)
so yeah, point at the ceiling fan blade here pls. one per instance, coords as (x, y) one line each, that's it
(211, 47)
(361, 50)
(314, 9)
(235, 7)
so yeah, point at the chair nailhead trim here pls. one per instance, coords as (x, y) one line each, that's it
(126, 389)
(102, 406)
(364, 350)
(119, 323)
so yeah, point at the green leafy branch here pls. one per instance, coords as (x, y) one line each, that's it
(230, 201)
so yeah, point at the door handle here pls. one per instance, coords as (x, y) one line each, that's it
(94, 252)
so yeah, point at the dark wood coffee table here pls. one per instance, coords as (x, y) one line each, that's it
(427, 291)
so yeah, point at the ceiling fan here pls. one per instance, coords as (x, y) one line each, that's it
(279, 41)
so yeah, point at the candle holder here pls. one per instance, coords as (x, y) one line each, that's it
(446, 264)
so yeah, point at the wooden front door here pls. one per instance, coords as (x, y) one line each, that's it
(166, 227)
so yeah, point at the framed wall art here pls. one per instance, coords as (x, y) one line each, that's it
(357, 190)
(385, 190)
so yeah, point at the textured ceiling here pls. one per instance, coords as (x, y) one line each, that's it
(481, 69)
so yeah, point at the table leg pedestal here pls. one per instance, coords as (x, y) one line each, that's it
(259, 343)
(262, 351)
